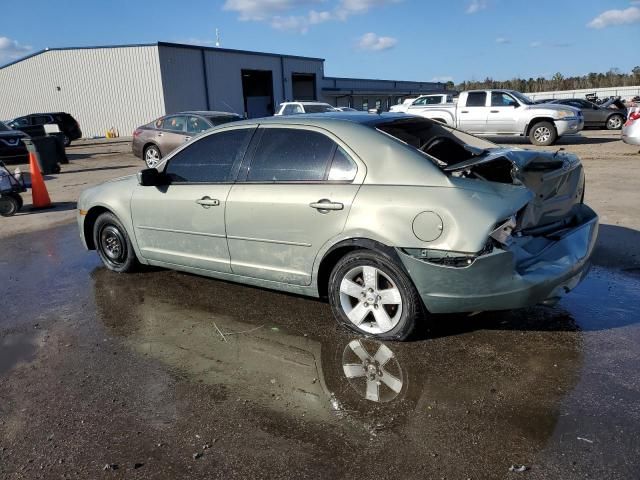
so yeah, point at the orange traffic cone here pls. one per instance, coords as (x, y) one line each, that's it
(38, 189)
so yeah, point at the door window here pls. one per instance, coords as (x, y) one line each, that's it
(476, 99)
(209, 159)
(290, 155)
(501, 99)
(175, 124)
(42, 119)
(343, 169)
(197, 125)
(20, 122)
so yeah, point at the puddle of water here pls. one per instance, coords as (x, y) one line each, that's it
(16, 348)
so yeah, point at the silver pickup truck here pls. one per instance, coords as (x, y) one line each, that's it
(506, 113)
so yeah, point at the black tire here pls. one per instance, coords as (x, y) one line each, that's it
(9, 206)
(403, 316)
(18, 198)
(615, 122)
(543, 134)
(113, 244)
(147, 151)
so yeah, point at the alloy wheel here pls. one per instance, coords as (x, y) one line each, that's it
(375, 376)
(542, 134)
(152, 157)
(615, 122)
(370, 299)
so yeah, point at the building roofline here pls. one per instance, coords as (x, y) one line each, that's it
(381, 80)
(160, 44)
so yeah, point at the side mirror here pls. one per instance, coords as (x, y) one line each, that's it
(150, 177)
(515, 105)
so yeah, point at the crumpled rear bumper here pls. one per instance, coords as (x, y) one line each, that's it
(510, 278)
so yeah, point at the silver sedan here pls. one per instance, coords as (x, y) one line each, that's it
(631, 129)
(390, 217)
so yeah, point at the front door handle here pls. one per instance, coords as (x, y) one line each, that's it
(325, 205)
(464, 111)
(186, 139)
(208, 202)
(495, 111)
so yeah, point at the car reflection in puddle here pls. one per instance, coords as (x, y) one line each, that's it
(293, 359)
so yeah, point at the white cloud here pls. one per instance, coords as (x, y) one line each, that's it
(443, 79)
(286, 14)
(535, 44)
(502, 40)
(372, 42)
(475, 6)
(12, 49)
(616, 17)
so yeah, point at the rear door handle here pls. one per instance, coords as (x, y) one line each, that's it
(208, 202)
(325, 205)
(495, 111)
(464, 111)
(186, 139)
(160, 134)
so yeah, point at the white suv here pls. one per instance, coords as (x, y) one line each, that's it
(294, 108)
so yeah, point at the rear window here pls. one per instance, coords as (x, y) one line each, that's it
(476, 99)
(291, 155)
(318, 108)
(215, 121)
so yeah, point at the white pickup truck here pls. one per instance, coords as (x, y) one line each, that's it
(506, 113)
(422, 101)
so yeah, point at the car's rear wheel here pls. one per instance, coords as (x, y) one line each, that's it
(543, 134)
(9, 205)
(152, 156)
(113, 244)
(370, 294)
(614, 122)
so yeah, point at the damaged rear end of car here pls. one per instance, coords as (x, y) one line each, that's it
(537, 234)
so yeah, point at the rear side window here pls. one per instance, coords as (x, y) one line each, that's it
(42, 119)
(290, 155)
(476, 99)
(209, 159)
(343, 169)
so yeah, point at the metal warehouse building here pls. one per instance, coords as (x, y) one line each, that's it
(125, 86)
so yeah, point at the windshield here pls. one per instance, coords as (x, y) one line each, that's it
(318, 108)
(3, 127)
(523, 98)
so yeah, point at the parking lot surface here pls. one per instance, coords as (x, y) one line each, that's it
(161, 374)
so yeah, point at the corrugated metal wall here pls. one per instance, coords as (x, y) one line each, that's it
(624, 92)
(183, 79)
(101, 87)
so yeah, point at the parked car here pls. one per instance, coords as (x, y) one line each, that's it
(296, 108)
(12, 150)
(346, 109)
(153, 141)
(66, 123)
(388, 216)
(631, 129)
(422, 101)
(596, 115)
(506, 113)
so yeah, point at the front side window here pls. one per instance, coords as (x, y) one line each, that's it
(501, 99)
(290, 155)
(209, 159)
(476, 99)
(20, 122)
(197, 125)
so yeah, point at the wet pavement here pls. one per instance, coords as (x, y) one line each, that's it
(162, 374)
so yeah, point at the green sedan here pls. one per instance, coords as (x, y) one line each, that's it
(390, 217)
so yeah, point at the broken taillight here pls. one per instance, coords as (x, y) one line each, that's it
(632, 118)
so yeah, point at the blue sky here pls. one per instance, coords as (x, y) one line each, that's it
(393, 39)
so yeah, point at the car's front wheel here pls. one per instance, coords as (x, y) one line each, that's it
(113, 244)
(370, 294)
(152, 156)
(614, 122)
(543, 134)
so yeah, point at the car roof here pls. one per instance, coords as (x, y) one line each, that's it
(205, 113)
(329, 118)
(304, 102)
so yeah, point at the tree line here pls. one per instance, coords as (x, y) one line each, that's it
(613, 78)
